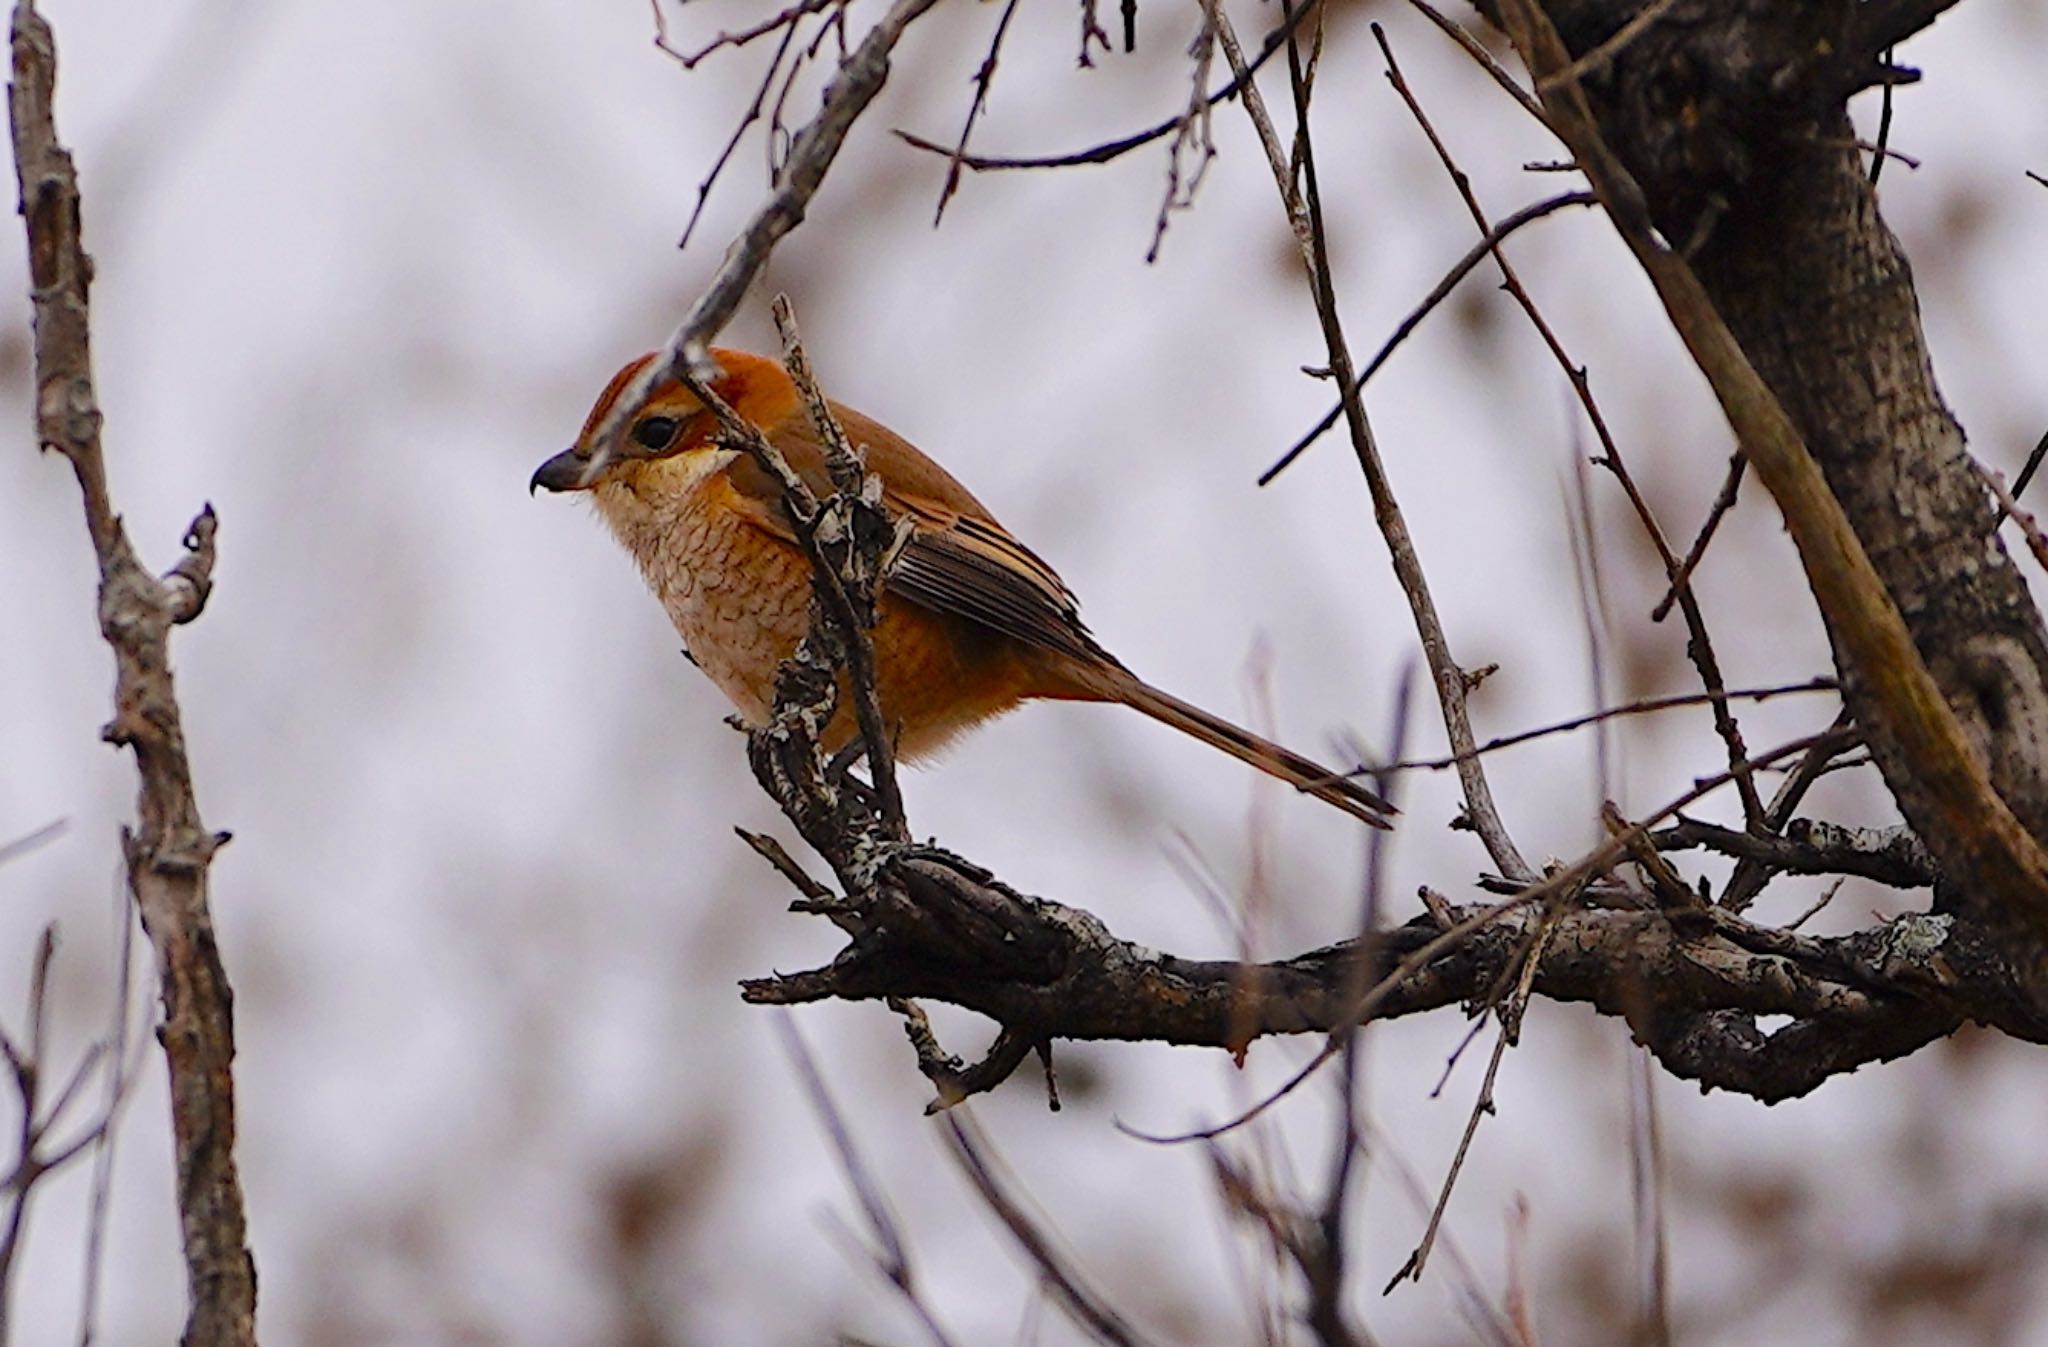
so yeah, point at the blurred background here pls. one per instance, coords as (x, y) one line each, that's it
(361, 269)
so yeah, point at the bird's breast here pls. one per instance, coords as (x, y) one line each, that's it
(740, 599)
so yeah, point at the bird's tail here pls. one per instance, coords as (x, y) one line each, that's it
(1299, 772)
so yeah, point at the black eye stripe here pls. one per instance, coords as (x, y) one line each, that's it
(655, 432)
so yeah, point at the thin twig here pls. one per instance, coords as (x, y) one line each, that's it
(1327, 1269)
(1510, 1031)
(38, 1155)
(1112, 149)
(1602, 56)
(1191, 135)
(1084, 1306)
(1751, 875)
(893, 1257)
(1647, 704)
(1724, 501)
(1476, 49)
(121, 1074)
(2030, 528)
(1884, 125)
(32, 840)
(1646, 1189)
(1474, 255)
(1092, 34)
(1445, 674)
(732, 143)
(786, 21)
(984, 77)
(2030, 467)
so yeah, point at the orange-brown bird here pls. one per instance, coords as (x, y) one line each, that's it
(971, 622)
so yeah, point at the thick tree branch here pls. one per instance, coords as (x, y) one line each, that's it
(1689, 983)
(170, 849)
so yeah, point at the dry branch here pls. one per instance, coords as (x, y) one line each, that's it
(169, 850)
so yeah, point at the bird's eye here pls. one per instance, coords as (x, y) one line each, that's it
(656, 432)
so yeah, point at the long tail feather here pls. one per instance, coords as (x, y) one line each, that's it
(1297, 771)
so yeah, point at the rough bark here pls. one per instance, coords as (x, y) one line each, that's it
(1690, 983)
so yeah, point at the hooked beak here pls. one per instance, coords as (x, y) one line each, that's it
(566, 471)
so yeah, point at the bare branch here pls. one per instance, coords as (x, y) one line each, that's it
(1891, 856)
(169, 851)
(893, 1257)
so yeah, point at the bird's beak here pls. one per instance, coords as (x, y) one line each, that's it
(566, 471)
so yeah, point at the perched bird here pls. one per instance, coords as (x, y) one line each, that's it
(971, 622)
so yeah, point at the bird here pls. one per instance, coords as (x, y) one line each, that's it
(970, 623)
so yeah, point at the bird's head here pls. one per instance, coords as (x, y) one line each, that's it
(668, 442)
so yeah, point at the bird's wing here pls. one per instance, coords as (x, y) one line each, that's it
(955, 563)
(957, 559)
